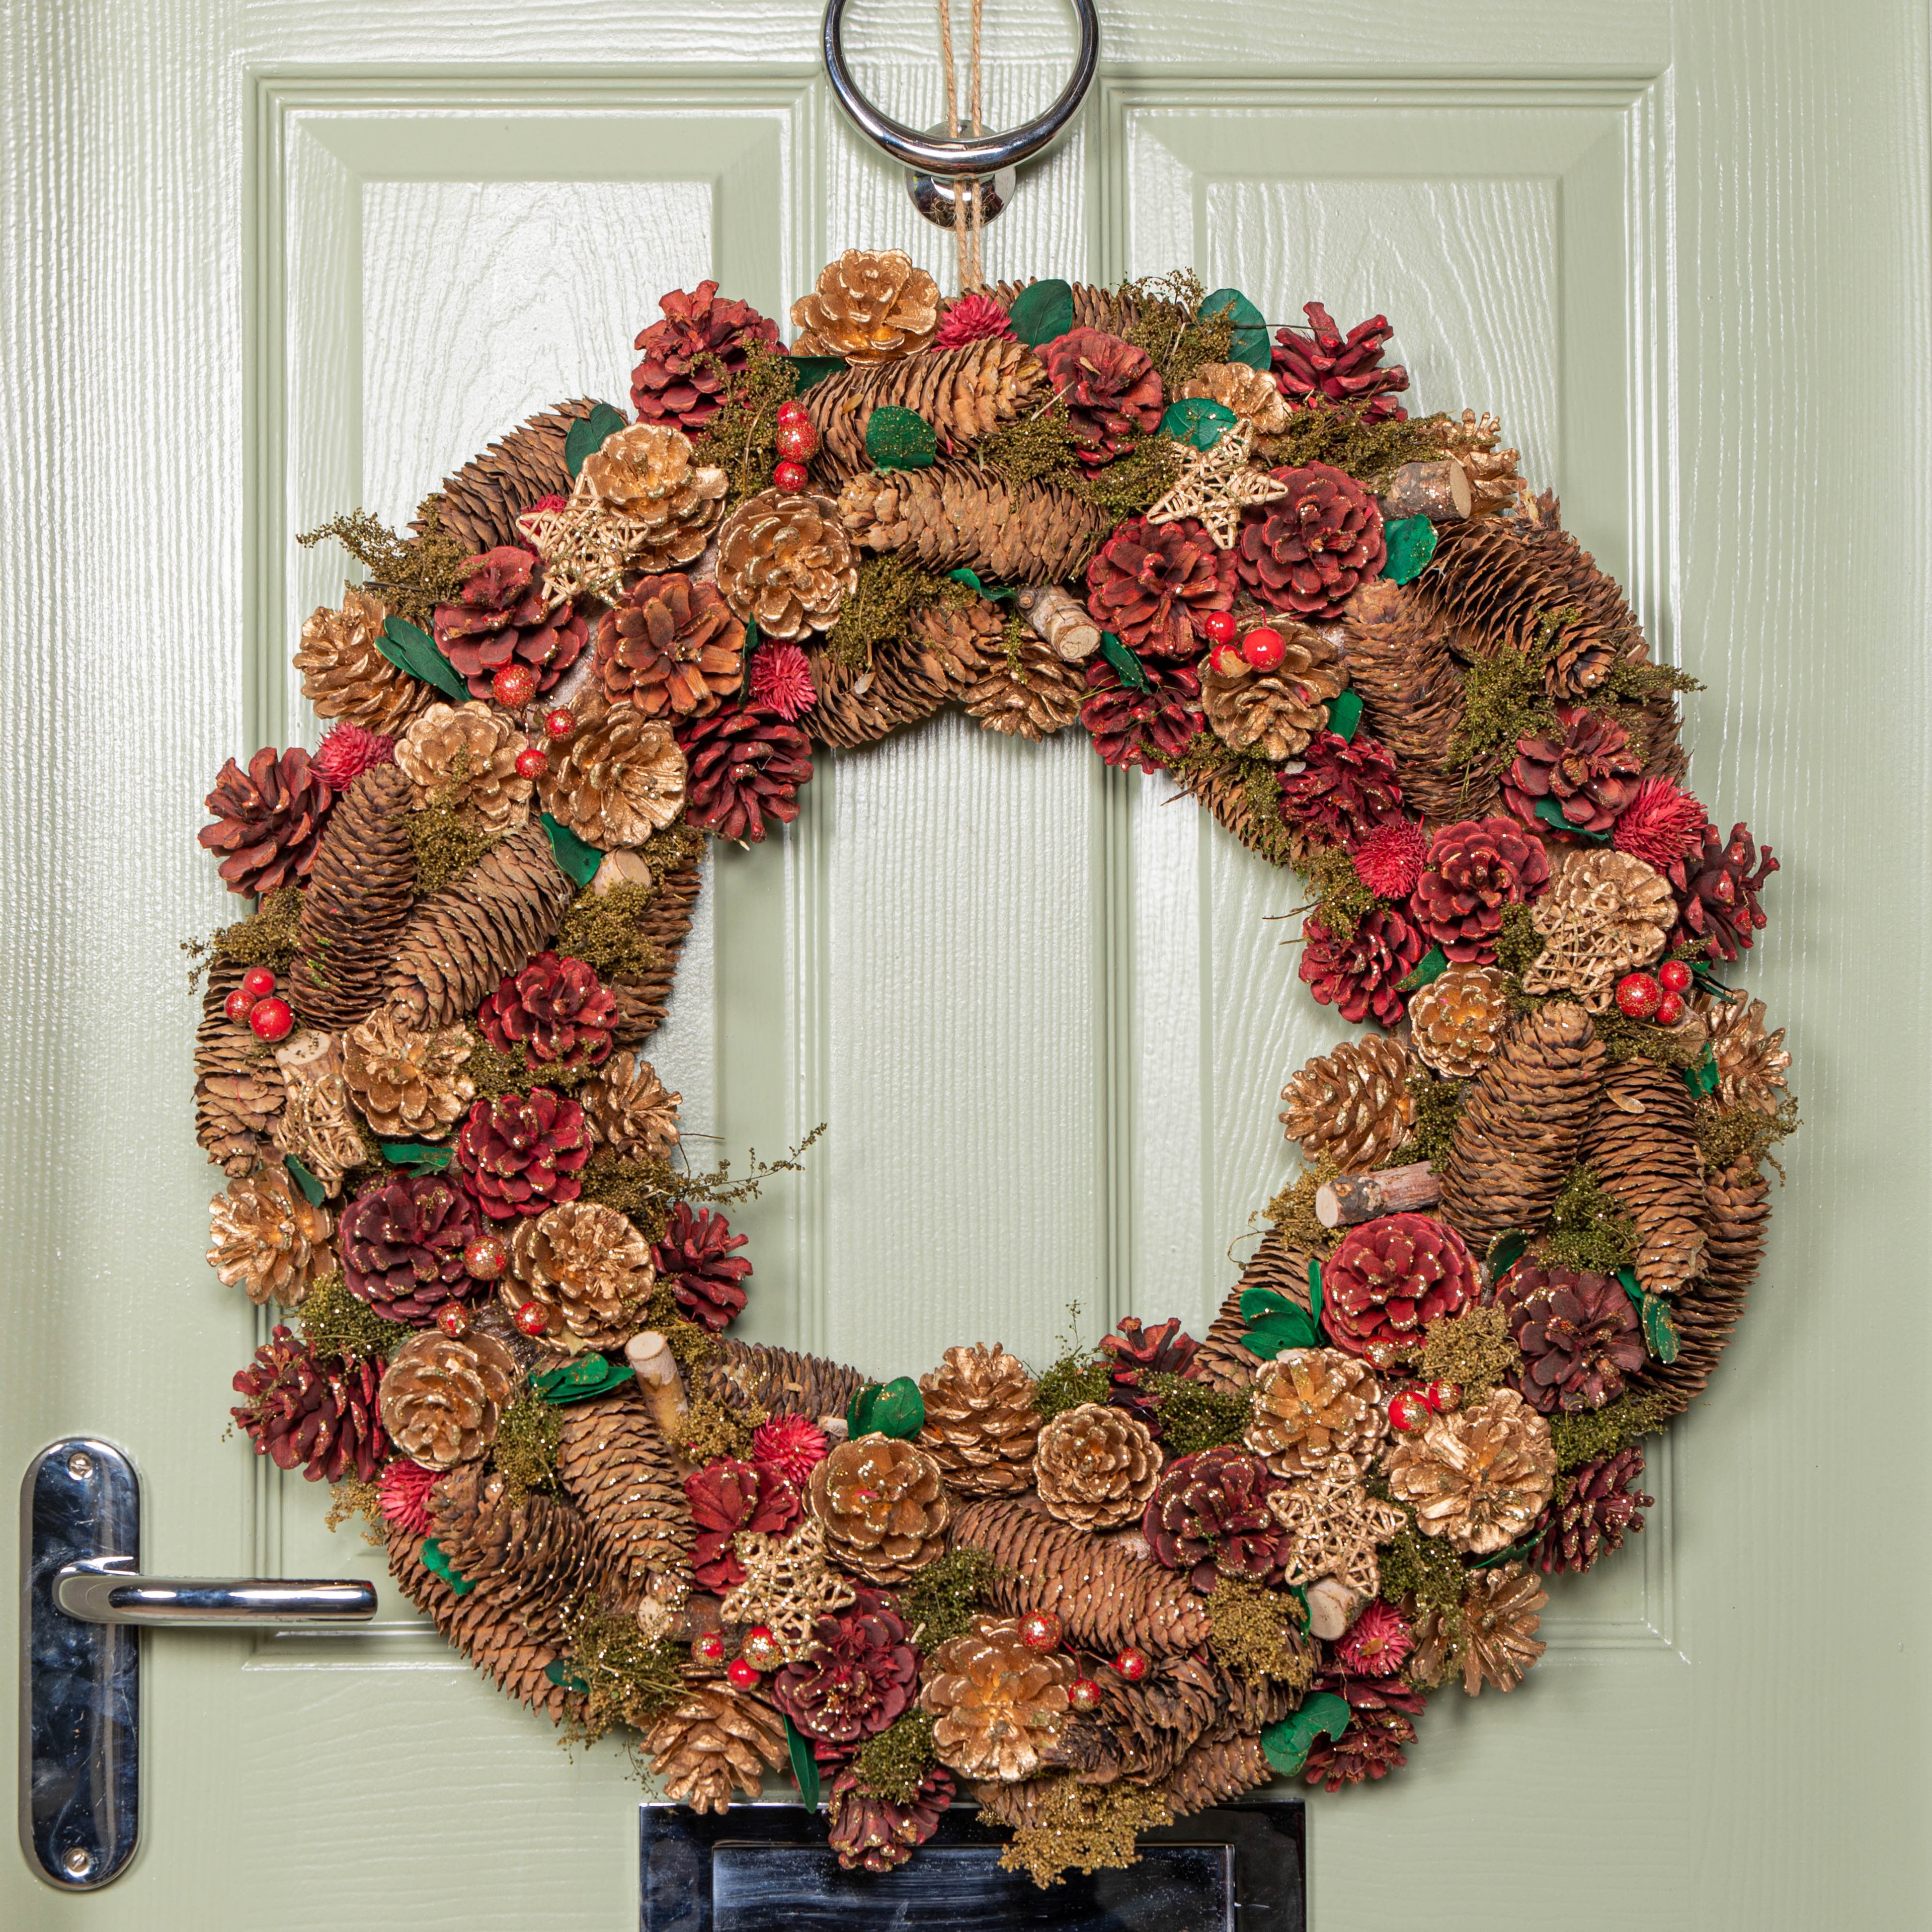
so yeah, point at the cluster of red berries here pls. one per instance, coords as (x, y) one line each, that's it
(1261, 649)
(1657, 997)
(253, 1000)
(759, 1653)
(1410, 1410)
(1042, 1630)
(797, 437)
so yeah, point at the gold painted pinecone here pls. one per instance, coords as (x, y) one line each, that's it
(1493, 1637)
(409, 1085)
(883, 1506)
(1031, 694)
(644, 474)
(1275, 712)
(1351, 1106)
(1477, 1476)
(317, 1125)
(628, 1110)
(344, 673)
(870, 305)
(786, 563)
(441, 1399)
(1605, 913)
(1250, 393)
(619, 777)
(587, 1267)
(717, 1742)
(995, 1704)
(1096, 1466)
(1494, 479)
(1317, 1409)
(465, 757)
(267, 1236)
(981, 1425)
(1751, 1062)
(1458, 1019)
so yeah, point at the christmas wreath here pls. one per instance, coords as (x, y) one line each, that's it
(1156, 1573)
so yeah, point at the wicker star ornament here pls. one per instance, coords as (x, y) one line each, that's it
(1216, 485)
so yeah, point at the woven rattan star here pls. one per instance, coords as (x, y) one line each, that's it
(1336, 1525)
(1216, 485)
(787, 1586)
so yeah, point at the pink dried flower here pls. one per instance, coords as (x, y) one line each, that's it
(1376, 1643)
(791, 1445)
(781, 678)
(348, 752)
(974, 318)
(1389, 860)
(402, 1494)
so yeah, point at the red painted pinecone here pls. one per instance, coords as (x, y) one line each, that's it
(1591, 1513)
(697, 1257)
(1321, 363)
(727, 1496)
(521, 1155)
(875, 1835)
(268, 820)
(1476, 869)
(1209, 1516)
(316, 1414)
(556, 1010)
(1578, 1335)
(1109, 387)
(1388, 1279)
(402, 1247)
(859, 1676)
(1151, 584)
(1141, 727)
(691, 354)
(1718, 910)
(1359, 976)
(745, 767)
(1587, 768)
(502, 614)
(1344, 790)
(1134, 1351)
(672, 646)
(1308, 552)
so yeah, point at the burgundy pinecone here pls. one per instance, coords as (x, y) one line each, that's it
(318, 1414)
(727, 1496)
(501, 615)
(1359, 976)
(1345, 788)
(521, 1154)
(1592, 1511)
(1587, 767)
(1110, 388)
(1718, 912)
(1310, 551)
(1368, 1751)
(556, 1010)
(1476, 869)
(1579, 1334)
(697, 1257)
(1209, 1516)
(268, 820)
(1388, 1279)
(859, 1676)
(1319, 363)
(875, 1835)
(1141, 727)
(1365, 1691)
(1152, 584)
(691, 354)
(402, 1247)
(745, 767)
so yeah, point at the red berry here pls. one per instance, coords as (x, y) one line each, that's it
(513, 686)
(741, 1673)
(761, 1649)
(790, 478)
(1039, 1630)
(1132, 1664)
(1407, 1413)
(1638, 995)
(1670, 1009)
(271, 1019)
(531, 761)
(533, 1319)
(486, 1257)
(1083, 1694)
(1226, 661)
(238, 1003)
(453, 1319)
(708, 1649)
(793, 411)
(559, 723)
(1220, 627)
(1441, 1395)
(1674, 976)
(258, 983)
(1263, 648)
(796, 441)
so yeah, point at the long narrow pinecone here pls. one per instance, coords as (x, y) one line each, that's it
(1642, 1148)
(239, 1088)
(1737, 1207)
(1221, 1361)
(1230, 797)
(952, 514)
(964, 394)
(666, 925)
(1249, 1704)
(1103, 1596)
(1496, 591)
(616, 1467)
(1522, 1127)
(529, 1558)
(777, 1380)
(458, 946)
(1215, 1771)
(1094, 307)
(482, 500)
(359, 893)
(1607, 615)
(946, 652)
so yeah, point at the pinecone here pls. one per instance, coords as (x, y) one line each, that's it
(267, 1236)
(1492, 590)
(955, 514)
(1095, 305)
(238, 1095)
(1214, 1770)
(505, 614)
(519, 1154)
(751, 1374)
(725, 1497)
(746, 768)
(1096, 1466)
(629, 1112)
(1351, 1106)
(1250, 393)
(1360, 975)
(1109, 388)
(1222, 1361)
(1345, 789)
(1587, 769)
(1479, 1476)
(1141, 1731)
(1244, 801)
(530, 1556)
(717, 1741)
(587, 1268)
(409, 1085)
(1493, 1632)
(1389, 1279)
(1369, 1750)
(1276, 713)
(442, 1398)
(943, 654)
(1308, 552)
(671, 645)
(1521, 1126)
(1458, 1020)
(268, 824)
(617, 1468)
(787, 562)
(1032, 694)
(981, 1425)
(1316, 1410)
(618, 778)
(1143, 728)
(315, 1414)
(859, 1676)
(481, 503)
(1476, 869)
(555, 1009)
(965, 393)
(1605, 914)
(1578, 1333)
(877, 1834)
(465, 757)
(870, 305)
(1736, 1207)
(1320, 364)
(1642, 1148)
(642, 1002)
(1591, 1513)
(1209, 1516)
(1610, 626)
(402, 1247)
(360, 890)
(1151, 584)
(697, 1256)
(1751, 1062)
(1494, 482)
(1134, 1351)
(996, 1704)
(883, 1506)
(1719, 910)
(692, 354)
(316, 1124)
(344, 673)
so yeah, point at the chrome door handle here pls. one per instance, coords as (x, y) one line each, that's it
(105, 1590)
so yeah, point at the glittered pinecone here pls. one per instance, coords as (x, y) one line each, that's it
(1360, 976)
(1751, 1062)
(1134, 1352)
(671, 647)
(1248, 392)
(1578, 1333)
(1476, 869)
(1032, 693)
(691, 356)
(956, 514)
(725, 1497)
(1244, 802)
(1209, 1517)
(618, 778)
(981, 1425)
(344, 673)
(1643, 1148)
(555, 1009)
(1605, 914)
(628, 1110)
(1458, 1019)
(505, 614)
(870, 305)
(1478, 1476)
(1493, 1634)
(883, 1507)
(361, 887)
(746, 767)
(519, 1154)
(1345, 789)
(1586, 769)
(942, 656)
(995, 1704)
(480, 504)
(964, 393)
(1275, 713)
(1474, 441)
(317, 1125)
(530, 1555)
(747, 1374)
(238, 1093)
(618, 1471)
(441, 1399)
(402, 1247)
(587, 1267)
(464, 757)
(698, 1257)
(1213, 1770)
(1308, 552)
(1320, 364)
(786, 563)
(717, 1743)
(1590, 1514)
(1142, 727)
(267, 1235)
(1718, 909)
(877, 1834)
(1151, 584)
(268, 821)
(409, 1085)
(667, 505)
(315, 1414)
(1096, 1466)
(1223, 1361)
(1110, 388)
(859, 1674)
(1317, 1410)
(1388, 1279)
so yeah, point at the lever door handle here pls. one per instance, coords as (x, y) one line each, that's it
(105, 1590)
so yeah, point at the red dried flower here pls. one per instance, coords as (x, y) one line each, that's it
(1587, 767)
(555, 1009)
(402, 1495)
(1718, 909)
(1141, 727)
(1389, 860)
(698, 1256)
(972, 318)
(782, 680)
(1110, 388)
(690, 355)
(727, 1496)
(1319, 363)
(347, 750)
(317, 1414)
(521, 1154)
(1151, 584)
(1388, 1279)
(1358, 976)
(1310, 551)
(1662, 826)
(859, 1676)
(1346, 787)
(1476, 869)
(1375, 1643)
(793, 1445)
(503, 614)
(745, 767)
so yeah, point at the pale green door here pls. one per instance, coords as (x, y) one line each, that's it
(263, 263)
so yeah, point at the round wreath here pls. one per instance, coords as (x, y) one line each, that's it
(1158, 1573)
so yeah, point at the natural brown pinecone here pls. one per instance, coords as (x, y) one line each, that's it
(1095, 306)
(1250, 393)
(996, 1704)
(618, 778)
(946, 650)
(628, 1110)
(1275, 713)
(718, 1742)
(344, 673)
(981, 1425)
(1642, 1148)
(1032, 693)
(459, 944)
(1351, 1106)
(1522, 1125)
(786, 563)
(1751, 1062)
(644, 474)
(870, 305)
(441, 1399)
(618, 1470)
(666, 923)
(409, 1085)
(1222, 1361)
(883, 1506)
(964, 394)
(267, 1236)
(1145, 1729)
(238, 1089)
(1610, 625)
(1494, 590)
(1737, 1207)
(671, 647)
(268, 820)
(754, 1375)
(1457, 1020)
(1214, 1770)
(465, 757)
(1316, 1410)
(954, 513)
(1243, 802)
(317, 1125)
(1593, 1508)
(531, 1557)
(1605, 913)
(1492, 1637)
(480, 504)
(1477, 1476)
(360, 891)
(587, 1267)
(1095, 1466)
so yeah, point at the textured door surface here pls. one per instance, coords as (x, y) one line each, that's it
(264, 262)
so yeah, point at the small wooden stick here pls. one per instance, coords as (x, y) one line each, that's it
(1362, 1197)
(650, 1355)
(1332, 1607)
(1059, 619)
(1438, 491)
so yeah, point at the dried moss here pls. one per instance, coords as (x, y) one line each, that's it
(673, 850)
(1168, 325)
(605, 931)
(412, 575)
(1518, 945)
(1039, 448)
(710, 1428)
(493, 1073)
(715, 1186)
(692, 1344)
(1626, 1039)
(1193, 1416)
(1134, 481)
(524, 1453)
(1645, 684)
(1292, 1211)
(892, 1765)
(1072, 1380)
(446, 848)
(1082, 1828)
(1255, 1631)
(1340, 898)
(1592, 1432)
(1473, 1350)
(631, 1679)
(1586, 1228)
(1732, 1134)
(741, 438)
(1504, 699)
(1424, 1568)
(891, 593)
(332, 1321)
(270, 936)
(943, 1599)
(1439, 1106)
(352, 1496)
(639, 1188)
(1339, 435)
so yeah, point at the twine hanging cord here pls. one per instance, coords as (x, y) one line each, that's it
(967, 216)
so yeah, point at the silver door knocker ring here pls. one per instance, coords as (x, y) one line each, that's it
(933, 160)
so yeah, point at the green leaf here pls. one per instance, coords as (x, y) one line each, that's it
(1431, 966)
(1628, 1281)
(1286, 1745)
(1257, 1303)
(1703, 976)
(1124, 660)
(434, 1561)
(579, 1381)
(1041, 312)
(1251, 335)
(306, 1181)
(1273, 1333)
(1199, 422)
(414, 651)
(417, 1156)
(1660, 1328)
(559, 1672)
(897, 439)
(1314, 1290)
(971, 579)
(804, 1766)
(1506, 1250)
(589, 434)
(1412, 543)
(1703, 1078)
(1551, 812)
(894, 1408)
(1345, 713)
(812, 369)
(574, 860)
(751, 649)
